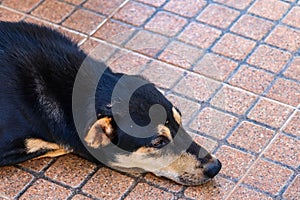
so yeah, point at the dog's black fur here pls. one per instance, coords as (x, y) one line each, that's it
(37, 73)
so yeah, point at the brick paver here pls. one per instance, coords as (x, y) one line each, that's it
(231, 66)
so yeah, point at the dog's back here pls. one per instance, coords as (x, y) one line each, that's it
(35, 63)
(38, 69)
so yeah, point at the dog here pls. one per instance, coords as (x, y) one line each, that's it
(40, 116)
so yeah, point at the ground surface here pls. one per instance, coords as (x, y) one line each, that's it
(231, 66)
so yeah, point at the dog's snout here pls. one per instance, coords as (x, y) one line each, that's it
(212, 168)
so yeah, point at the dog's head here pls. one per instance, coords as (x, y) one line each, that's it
(161, 147)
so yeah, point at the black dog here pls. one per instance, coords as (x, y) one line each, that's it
(40, 116)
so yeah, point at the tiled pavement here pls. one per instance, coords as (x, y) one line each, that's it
(231, 66)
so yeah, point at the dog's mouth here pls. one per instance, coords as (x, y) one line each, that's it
(190, 174)
(187, 179)
(192, 182)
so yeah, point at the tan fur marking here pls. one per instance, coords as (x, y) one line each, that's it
(52, 154)
(186, 162)
(176, 116)
(105, 125)
(164, 131)
(94, 138)
(100, 133)
(34, 145)
(145, 150)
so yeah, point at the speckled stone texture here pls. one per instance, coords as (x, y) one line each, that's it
(233, 69)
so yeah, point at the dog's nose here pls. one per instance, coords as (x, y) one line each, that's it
(212, 168)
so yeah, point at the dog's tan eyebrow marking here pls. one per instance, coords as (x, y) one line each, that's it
(144, 150)
(164, 131)
(33, 145)
(176, 115)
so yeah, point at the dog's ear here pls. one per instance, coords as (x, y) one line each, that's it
(100, 134)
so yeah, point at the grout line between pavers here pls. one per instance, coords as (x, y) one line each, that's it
(240, 63)
(153, 184)
(260, 156)
(59, 25)
(290, 26)
(244, 116)
(142, 28)
(257, 189)
(160, 61)
(286, 1)
(164, 188)
(275, 74)
(84, 194)
(150, 31)
(71, 3)
(2, 195)
(277, 132)
(291, 135)
(273, 46)
(36, 175)
(78, 189)
(42, 20)
(183, 16)
(258, 42)
(26, 187)
(157, 10)
(283, 189)
(296, 171)
(75, 8)
(170, 39)
(41, 175)
(209, 49)
(82, 41)
(292, 168)
(204, 76)
(231, 7)
(291, 180)
(35, 6)
(109, 17)
(137, 180)
(175, 37)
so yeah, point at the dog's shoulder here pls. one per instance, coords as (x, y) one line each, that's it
(23, 33)
(37, 70)
(38, 67)
(35, 47)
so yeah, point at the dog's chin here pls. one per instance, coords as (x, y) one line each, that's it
(134, 170)
(183, 180)
(192, 182)
(186, 180)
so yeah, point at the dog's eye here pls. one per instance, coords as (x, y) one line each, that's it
(159, 142)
